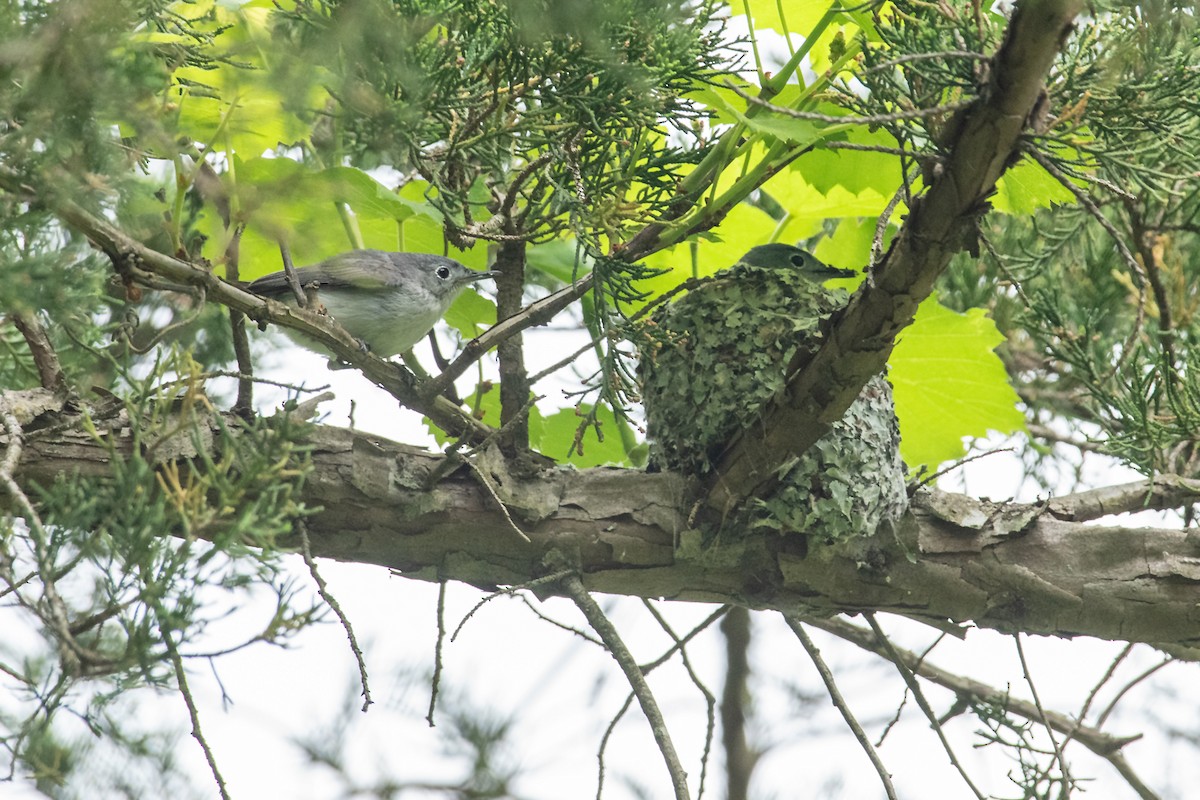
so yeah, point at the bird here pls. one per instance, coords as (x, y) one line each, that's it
(711, 359)
(388, 301)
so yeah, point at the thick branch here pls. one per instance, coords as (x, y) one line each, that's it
(982, 143)
(1010, 567)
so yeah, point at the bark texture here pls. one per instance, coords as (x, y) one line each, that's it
(1035, 568)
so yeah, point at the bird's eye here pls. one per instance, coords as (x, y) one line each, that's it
(443, 272)
(798, 259)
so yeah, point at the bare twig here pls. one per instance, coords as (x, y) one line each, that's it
(537, 313)
(1102, 744)
(574, 589)
(331, 601)
(833, 119)
(710, 702)
(435, 681)
(1100, 720)
(190, 702)
(289, 275)
(237, 322)
(839, 702)
(922, 702)
(1068, 783)
(571, 629)
(553, 577)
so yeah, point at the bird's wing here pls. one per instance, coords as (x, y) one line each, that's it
(333, 272)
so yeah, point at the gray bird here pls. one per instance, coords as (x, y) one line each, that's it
(785, 256)
(389, 301)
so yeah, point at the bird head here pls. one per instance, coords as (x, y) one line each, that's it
(785, 256)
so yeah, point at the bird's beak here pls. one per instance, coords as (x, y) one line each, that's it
(479, 276)
(828, 273)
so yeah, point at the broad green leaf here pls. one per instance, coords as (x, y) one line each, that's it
(471, 313)
(561, 427)
(484, 404)
(1027, 187)
(855, 170)
(950, 384)
(744, 227)
(233, 104)
(797, 131)
(368, 197)
(783, 16)
(849, 247)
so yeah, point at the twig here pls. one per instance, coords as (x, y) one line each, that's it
(50, 372)
(553, 368)
(323, 590)
(435, 681)
(709, 701)
(608, 732)
(487, 484)
(963, 462)
(553, 577)
(537, 313)
(244, 404)
(1037, 702)
(574, 589)
(190, 702)
(905, 59)
(571, 629)
(833, 119)
(922, 702)
(1102, 744)
(840, 703)
(1100, 720)
(289, 275)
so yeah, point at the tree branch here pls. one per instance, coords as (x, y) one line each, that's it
(1003, 566)
(139, 263)
(1102, 744)
(573, 587)
(843, 708)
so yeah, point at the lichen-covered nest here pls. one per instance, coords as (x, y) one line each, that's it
(712, 358)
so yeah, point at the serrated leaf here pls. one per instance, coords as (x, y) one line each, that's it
(950, 384)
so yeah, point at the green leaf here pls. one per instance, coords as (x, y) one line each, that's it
(949, 384)
(745, 226)
(560, 428)
(1027, 187)
(471, 313)
(782, 17)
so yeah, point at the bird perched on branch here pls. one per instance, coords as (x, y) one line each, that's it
(712, 358)
(388, 301)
